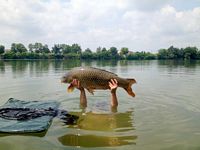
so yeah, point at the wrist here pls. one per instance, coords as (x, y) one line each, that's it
(113, 91)
(81, 89)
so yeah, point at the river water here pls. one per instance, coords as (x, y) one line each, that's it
(165, 114)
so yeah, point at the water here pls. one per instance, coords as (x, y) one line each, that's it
(165, 114)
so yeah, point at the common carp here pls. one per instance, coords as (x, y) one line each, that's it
(93, 78)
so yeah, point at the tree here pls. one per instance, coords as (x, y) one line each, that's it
(149, 56)
(113, 52)
(173, 52)
(87, 54)
(162, 54)
(13, 48)
(124, 52)
(88, 50)
(2, 49)
(30, 47)
(104, 50)
(56, 49)
(45, 49)
(181, 53)
(105, 54)
(38, 47)
(198, 55)
(66, 48)
(21, 48)
(98, 50)
(190, 53)
(18, 48)
(9, 55)
(75, 48)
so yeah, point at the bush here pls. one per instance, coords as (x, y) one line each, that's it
(9, 55)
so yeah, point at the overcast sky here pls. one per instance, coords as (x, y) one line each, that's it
(140, 25)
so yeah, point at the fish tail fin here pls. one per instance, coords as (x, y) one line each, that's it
(91, 91)
(129, 89)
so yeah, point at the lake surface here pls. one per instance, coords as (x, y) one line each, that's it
(165, 114)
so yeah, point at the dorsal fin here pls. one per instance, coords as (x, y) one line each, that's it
(101, 70)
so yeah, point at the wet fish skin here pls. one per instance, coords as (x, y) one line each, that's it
(93, 78)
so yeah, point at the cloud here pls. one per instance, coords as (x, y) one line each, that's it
(138, 25)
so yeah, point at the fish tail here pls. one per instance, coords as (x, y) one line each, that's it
(129, 89)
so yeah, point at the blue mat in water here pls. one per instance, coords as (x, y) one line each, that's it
(36, 124)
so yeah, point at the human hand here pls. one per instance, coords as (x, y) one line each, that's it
(76, 83)
(113, 84)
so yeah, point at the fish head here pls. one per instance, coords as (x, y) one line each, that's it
(67, 78)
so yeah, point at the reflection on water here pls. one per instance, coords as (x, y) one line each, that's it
(2, 66)
(106, 122)
(101, 130)
(36, 67)
(103, 63)
(20, 65)
(40, 67)
(179, 63)
(96, 141)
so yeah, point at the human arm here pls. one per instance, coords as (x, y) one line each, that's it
(83, 99)
(113, 84)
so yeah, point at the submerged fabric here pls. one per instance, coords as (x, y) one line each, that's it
(34, 124)
(23, 114)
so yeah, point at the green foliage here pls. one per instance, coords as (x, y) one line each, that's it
(2, 49)
(141, 56)
(113, 52)
(38, 48)
(104, 54)
(190, 52)
(66, 48)
(18, 48)
(198, 55)
(75, 48)
(9, 55)
(124, 52)
(56, 49)
(149, 56)
(74, 51)
(87, 54)
(162, 54)
(175, 53)
(72, 56)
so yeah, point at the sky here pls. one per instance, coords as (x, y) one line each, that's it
(140, 25)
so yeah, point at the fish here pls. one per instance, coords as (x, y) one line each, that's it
(96, 79)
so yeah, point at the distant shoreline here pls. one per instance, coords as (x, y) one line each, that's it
(63, 51)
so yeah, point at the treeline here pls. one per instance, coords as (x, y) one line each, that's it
(176, 53)
(74, 51)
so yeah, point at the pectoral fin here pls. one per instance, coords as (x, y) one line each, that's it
(91, 91)
(70, 88)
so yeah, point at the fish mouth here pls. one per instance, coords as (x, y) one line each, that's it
(63, 80)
